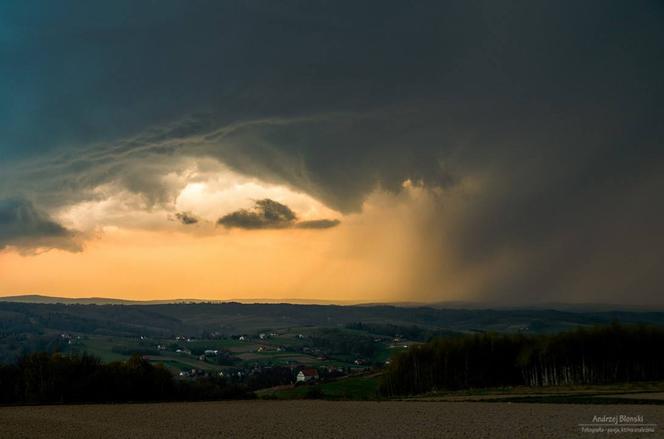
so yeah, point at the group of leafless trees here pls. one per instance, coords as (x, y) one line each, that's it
(598, 355)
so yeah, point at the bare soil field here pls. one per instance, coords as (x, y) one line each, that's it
(658, 396)
(317, 419)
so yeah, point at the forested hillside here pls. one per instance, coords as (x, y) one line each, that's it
(114, 331)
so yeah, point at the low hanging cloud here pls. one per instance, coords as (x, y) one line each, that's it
(318, 224)
(186, 218)
(270, 214)
(27, 228)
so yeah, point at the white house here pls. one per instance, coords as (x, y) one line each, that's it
(306, 375)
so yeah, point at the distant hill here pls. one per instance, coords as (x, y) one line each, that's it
(125, 317)
(459, 305)
(558, 306)
(39, 298)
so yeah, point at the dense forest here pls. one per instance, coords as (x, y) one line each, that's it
(410, 332)
(54, 378)
(332, 341)
(600, 355)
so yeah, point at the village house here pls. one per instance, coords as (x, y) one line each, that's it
(306, 375)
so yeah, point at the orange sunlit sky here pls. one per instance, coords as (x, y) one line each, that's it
(146, 255)
(161, 261)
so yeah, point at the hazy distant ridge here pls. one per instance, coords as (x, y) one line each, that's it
(560, 306)
(39, 298)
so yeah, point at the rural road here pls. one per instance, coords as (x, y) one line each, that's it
(318, 419)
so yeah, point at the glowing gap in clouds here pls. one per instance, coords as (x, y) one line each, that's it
(208, 195)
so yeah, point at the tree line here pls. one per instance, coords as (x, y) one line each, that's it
(43, 378)
(598, 355)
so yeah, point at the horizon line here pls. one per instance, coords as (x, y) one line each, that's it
(304, 301)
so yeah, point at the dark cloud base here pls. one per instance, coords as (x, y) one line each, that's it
(318, 224)
(27, 228)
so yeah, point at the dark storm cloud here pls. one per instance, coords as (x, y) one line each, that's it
(269, 214)
(266, 214)
(318, 224)
(25, 227)
(555, 107)
(186, 218)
